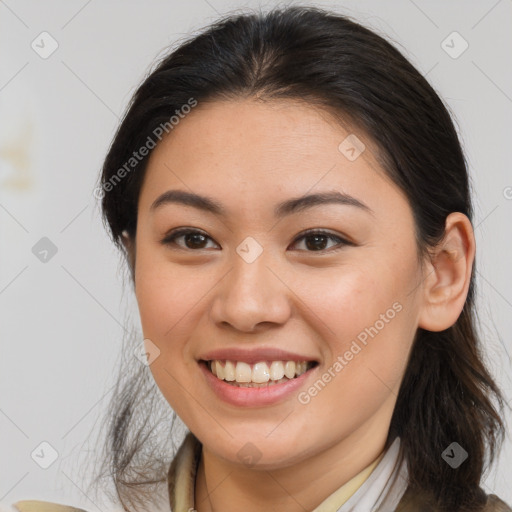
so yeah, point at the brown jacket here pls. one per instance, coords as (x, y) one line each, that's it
(180, 495)
(409, 503)
(412, 502)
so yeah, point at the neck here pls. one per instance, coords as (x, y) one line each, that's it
(227, 487)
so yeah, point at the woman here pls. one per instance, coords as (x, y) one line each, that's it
(293, 203)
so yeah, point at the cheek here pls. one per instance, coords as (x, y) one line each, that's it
(343, 302)
(367, 319)
(166, 293)
(167, 301)
(363, 375)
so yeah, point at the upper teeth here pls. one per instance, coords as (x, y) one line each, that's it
(259, 372)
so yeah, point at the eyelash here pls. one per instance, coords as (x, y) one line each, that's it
(173, 235)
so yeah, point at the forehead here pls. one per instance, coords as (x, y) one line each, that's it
(262, 151)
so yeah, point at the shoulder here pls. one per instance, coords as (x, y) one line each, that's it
(40, 506)
(420, 502)
(494, 504)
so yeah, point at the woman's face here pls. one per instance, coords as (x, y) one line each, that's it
(251, 287)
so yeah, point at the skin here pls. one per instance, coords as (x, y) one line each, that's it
(249, 156)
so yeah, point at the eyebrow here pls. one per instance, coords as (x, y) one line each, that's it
(283, 209)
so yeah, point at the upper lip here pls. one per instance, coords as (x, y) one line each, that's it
(254, 356)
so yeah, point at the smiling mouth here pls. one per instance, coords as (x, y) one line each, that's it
(261, 374)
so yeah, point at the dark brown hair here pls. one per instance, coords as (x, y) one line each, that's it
(327, 59)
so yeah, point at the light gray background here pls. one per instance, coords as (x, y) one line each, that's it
(61, 321)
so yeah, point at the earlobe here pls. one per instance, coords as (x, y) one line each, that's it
(448, 274)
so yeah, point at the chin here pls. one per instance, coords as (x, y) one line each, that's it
(258, 452)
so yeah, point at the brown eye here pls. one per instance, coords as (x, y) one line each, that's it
(193, 239)
(316, 240)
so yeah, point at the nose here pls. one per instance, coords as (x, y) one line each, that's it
(252, 296)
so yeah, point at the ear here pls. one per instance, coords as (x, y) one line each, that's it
(129, 245)
(447, 275)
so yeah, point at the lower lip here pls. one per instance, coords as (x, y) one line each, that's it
(254, 397)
